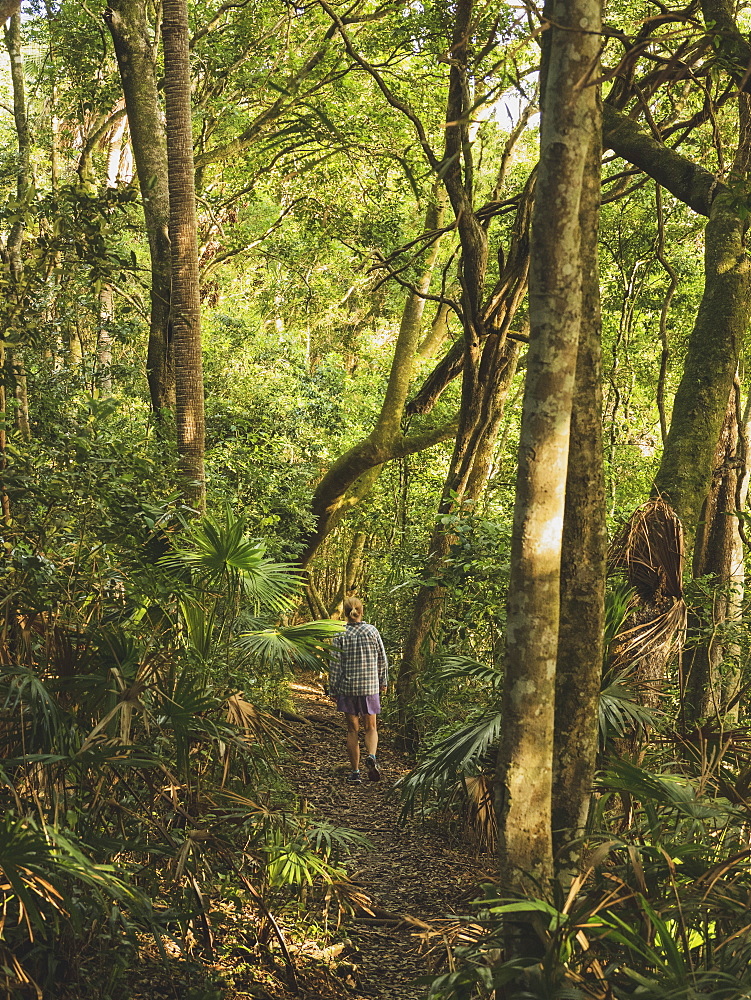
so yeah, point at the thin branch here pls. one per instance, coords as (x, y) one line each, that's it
(427, 239)
(390, 96)
(212, 22)
(234, 251)
(422, 295)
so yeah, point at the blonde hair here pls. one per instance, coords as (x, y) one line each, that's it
(353, 609)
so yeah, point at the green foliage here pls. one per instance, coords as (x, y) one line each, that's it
(121, 689)
(658, 910)
(75, 243)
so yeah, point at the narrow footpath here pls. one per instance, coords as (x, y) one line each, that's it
(414, 878)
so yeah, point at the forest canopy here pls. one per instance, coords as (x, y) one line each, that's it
(439, 305)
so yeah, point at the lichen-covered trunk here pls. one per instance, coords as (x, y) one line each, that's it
(718, 557)
(714, 349)
(570, 124)
(15, 366)
(584, 545)
(186, 298)
(136, 60)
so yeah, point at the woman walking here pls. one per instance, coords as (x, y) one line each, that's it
(358, 676)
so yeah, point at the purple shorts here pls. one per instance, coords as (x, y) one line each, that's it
(359, 704)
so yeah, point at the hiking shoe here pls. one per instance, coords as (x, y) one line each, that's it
(373, 772)
(354, 778)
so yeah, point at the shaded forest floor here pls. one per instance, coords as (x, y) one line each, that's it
(415, 878)
(407, 887)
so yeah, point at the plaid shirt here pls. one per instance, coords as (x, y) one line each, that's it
(358, 661)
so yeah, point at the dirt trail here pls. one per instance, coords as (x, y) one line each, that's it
(414, 871)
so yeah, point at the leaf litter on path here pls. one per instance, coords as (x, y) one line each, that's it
(414, 879)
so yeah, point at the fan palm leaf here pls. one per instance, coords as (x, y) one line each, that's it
(306, 644)
(215, 550)
(448, 762)
(620, 712)
(199, 626)
(464, 668)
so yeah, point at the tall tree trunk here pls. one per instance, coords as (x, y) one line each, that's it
(103, 372)
(14, 359)
(685, 473)
(136, 60)
(584, 545)
(731, 681)
(717, 555)
(719, 332)
(487, 362)
(438, 333)
(570, 125)
(16, 369)
(186, 296)
(350, 574)
(54, 120)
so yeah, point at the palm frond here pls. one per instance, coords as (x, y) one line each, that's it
(619, 601)
(25, 863)
(27, 693)
(649, 548)
(329, 840)
(449, 761)
(659, 634)
(649, 551)
(481, 822)
(464, 668)
(272, 585)
(619, 712)
(260, 725)
(306, 644)
(199, 627)
(673, 791)
(214, 549)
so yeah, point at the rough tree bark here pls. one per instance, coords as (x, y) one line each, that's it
(488, 362)
(584, 546)
(721, 324)
(464, 483)
(136, 59)
(8, 8)
(14, 359)
(570, 125)
(186, 296)
(685, 473)
(718, 555)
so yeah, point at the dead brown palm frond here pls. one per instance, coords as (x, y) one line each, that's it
(15, 977)
(478, 814)
(349, 898)
(438, 938)
(657, 636)
(648, 550)
(260, 725)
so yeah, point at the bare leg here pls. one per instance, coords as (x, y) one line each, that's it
(353, 740)
(370, 733)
